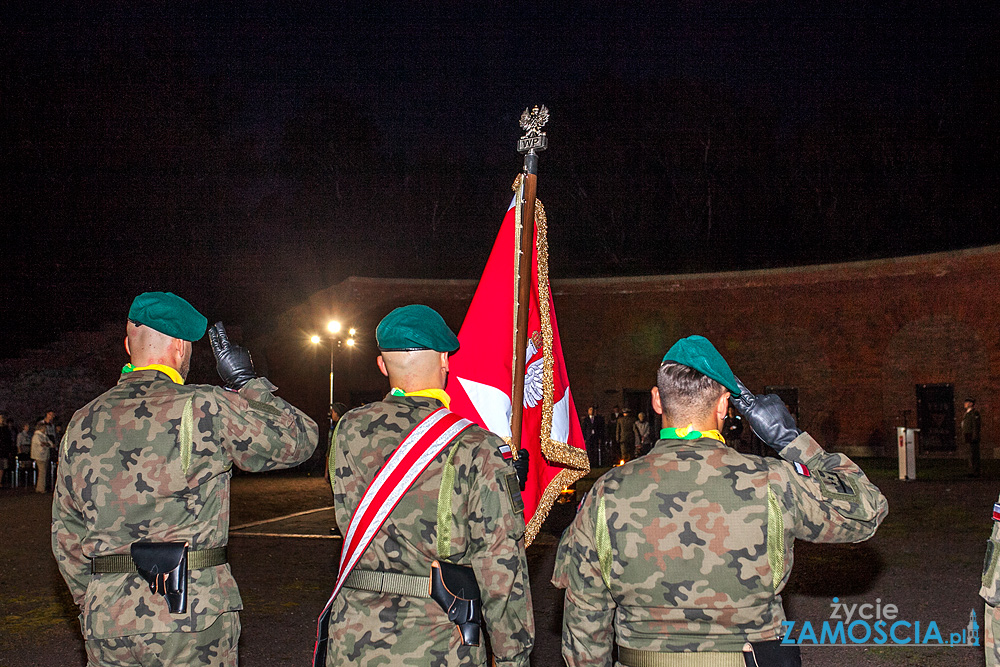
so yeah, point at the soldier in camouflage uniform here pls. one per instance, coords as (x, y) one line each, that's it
(465, 508)
(680, 556)
(150, 460)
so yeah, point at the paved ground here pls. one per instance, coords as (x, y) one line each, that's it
(926, 560)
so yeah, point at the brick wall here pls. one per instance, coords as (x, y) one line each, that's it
(854, 339)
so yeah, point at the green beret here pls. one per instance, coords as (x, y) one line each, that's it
(414, 327)
(698, 353)
(169, 314)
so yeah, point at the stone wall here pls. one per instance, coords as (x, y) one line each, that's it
(854, 339)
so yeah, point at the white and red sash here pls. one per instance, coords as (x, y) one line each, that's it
(396, 476)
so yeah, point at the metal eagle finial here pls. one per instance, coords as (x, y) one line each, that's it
(533, 120)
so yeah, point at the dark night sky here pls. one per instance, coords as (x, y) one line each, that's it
(246, 154)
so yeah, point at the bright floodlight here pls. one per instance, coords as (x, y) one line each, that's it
(350, 342)
(333, 326)
(314, 340)
(353, 332)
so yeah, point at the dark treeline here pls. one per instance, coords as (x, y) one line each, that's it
(126, 171)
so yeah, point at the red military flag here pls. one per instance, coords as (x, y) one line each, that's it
(481, 380)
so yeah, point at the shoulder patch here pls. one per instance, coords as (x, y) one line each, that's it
(505, 451)
(835, 485)
(801, 469)
(264, 407)
(996, 511)
(514, 492)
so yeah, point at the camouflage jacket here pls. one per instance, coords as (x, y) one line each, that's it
(688, 547)
(990, 587)
(150, 460)
(474, 519)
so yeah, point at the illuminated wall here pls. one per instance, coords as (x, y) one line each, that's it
(854, 339)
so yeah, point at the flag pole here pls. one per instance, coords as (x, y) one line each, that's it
(530, 144)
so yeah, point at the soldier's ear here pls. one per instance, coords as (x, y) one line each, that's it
(722, 406)
(381, 365)
(127, 350)
(179, 349)
(657, 406)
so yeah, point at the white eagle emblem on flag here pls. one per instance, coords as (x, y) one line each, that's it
(533, 371)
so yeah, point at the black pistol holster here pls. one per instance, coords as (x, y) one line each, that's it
(164, 566)
(455, 588)
(772, 654)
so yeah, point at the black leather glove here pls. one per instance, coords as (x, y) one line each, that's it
(232, 361)
(521, 467)
(767, 416)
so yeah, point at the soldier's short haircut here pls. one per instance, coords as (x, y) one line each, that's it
(686, 395)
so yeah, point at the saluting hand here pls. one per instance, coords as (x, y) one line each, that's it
(767, 416)
(232, 361)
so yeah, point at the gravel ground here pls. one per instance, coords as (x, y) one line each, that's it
(926, 560)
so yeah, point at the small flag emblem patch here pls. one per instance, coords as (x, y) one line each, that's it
(996, 511)
(804, 471)
(505, 450)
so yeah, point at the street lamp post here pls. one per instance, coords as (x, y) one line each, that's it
(334, 327)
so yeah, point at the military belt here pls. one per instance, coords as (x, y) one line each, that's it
(631, 657)
(394, 583)
(123, 563)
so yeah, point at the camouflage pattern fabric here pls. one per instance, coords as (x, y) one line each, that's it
(215, 646)
(484, 530)
(991, 627)
(150, 460)
(990, 591)
(678, 551)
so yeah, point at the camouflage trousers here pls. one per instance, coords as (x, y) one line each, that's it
(215, 646)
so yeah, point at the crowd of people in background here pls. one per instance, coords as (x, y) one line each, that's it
(622, 436)
(625, 435)
(28, 445)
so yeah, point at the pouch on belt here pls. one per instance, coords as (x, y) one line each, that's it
(164, 567)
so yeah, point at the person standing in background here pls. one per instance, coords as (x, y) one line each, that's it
(41, 452)
(624, 435)
(611, 428)
(24, 442)
(643, 434)
(593, 435)
(7, 450)
(971, 428)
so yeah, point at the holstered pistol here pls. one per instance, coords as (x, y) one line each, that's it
(455, 588)
(164, 567)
